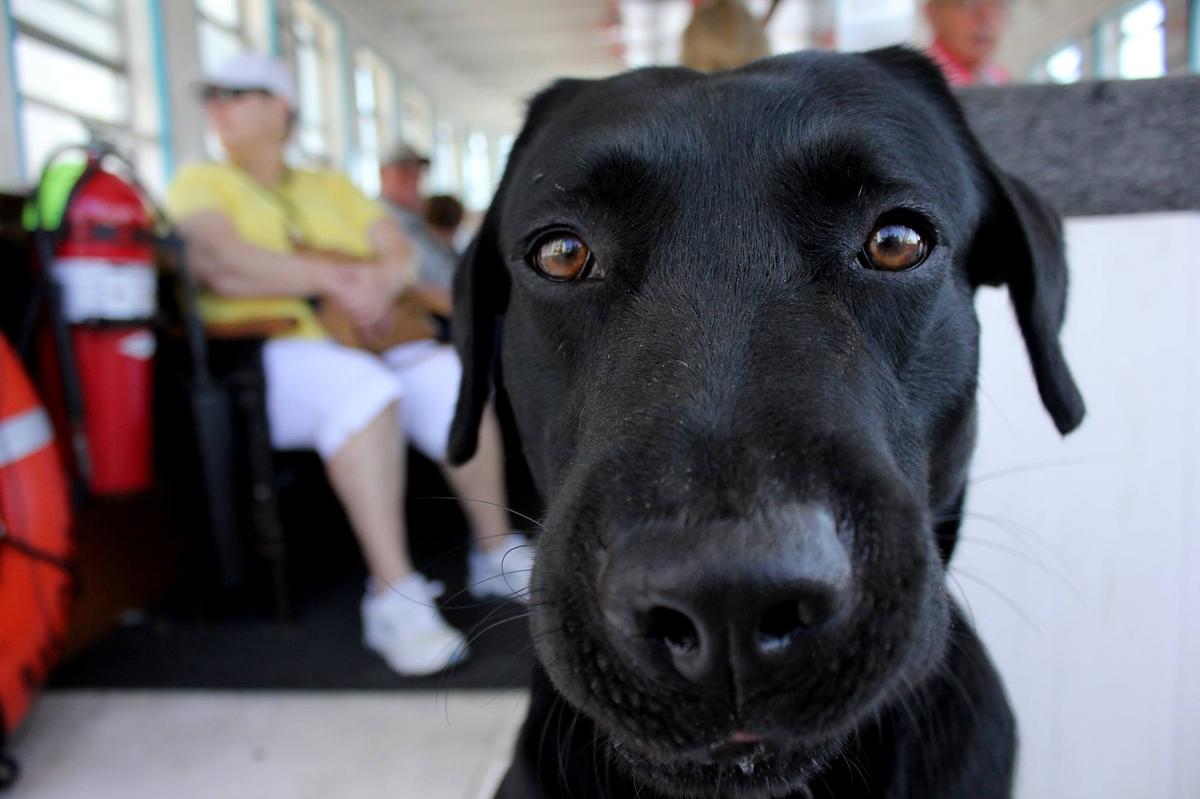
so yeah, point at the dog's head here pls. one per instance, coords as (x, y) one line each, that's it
(739, 341)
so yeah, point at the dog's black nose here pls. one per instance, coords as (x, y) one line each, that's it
(745, 598)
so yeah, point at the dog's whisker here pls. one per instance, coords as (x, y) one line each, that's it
(998, 408)
(476, 634)
(514, 595)
(562, 741)
(511, 510)
(1025, 558)
(1000, 595)
(962, 593)
(558, 701)
(1022, 533)
(1057, 463)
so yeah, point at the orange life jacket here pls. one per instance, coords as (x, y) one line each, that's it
(36, 577)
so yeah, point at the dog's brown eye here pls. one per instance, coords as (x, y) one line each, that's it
(894, 246)
(565, 258)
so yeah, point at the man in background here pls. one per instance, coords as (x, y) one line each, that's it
(400, 176)
(443, 217)
(965, 36)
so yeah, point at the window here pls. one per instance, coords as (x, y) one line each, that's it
(444, 173)
(1134, 41)
(319, 135)
(1065, 65)
(228, 27)
(84, 67)
(373, 113)
(504, 145)
(1142, 52)
(477, 177)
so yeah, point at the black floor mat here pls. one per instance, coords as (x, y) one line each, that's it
(171, 647)
(320, 649)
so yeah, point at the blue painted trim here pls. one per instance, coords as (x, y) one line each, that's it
(1099, 61)
(273, 39)
(1194, 36)
(11, 55)
(162, 86)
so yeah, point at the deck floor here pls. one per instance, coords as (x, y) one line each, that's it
(88, 744)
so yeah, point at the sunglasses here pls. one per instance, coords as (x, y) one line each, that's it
(222, 94)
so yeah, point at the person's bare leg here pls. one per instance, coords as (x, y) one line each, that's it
(480, 485)
(367, 474)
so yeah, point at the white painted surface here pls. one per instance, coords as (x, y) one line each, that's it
(1084, 577)
(203, 745)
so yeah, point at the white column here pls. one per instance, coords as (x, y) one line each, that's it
(183, 68)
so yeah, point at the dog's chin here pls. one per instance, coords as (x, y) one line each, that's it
(763, 772)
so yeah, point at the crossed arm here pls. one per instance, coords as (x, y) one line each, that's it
(229, 265)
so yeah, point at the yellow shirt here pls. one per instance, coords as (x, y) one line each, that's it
(322, 209)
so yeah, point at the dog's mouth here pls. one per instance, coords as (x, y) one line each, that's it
(745, 765)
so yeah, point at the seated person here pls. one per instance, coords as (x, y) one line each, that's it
(965, 36)
(443, 218)
(724, 34)
(247, 222)
(400, 176)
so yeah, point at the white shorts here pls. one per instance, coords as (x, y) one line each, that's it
(320, 393)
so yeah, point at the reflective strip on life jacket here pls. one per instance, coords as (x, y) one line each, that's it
(24, 434)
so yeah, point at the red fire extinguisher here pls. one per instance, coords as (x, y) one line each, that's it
(98, 263)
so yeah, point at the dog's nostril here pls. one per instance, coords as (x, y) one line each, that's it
(780, 623)
(783, 620)
(672, 628)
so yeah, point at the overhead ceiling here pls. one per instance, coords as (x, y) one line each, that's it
(481, 60)
(484, 58)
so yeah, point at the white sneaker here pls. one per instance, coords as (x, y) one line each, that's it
(402, 624)
(503, 571)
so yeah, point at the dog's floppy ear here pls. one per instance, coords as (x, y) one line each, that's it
(481, 287)
(1019, 243)
(480, 299)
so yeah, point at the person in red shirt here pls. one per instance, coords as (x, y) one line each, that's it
(965, 35)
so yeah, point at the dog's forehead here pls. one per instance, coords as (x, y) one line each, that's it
(830, 112)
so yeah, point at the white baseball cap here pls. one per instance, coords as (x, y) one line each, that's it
(250, 71)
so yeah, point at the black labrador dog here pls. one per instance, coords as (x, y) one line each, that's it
(733, 315)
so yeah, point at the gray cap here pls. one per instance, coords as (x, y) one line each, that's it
(403, 152)
(254, 71)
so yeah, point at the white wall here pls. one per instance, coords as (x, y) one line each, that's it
(1082, 568)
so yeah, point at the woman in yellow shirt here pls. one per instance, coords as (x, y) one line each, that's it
(247, 222)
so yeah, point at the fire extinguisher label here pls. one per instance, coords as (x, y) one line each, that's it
(139, 344)
(99, 289)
